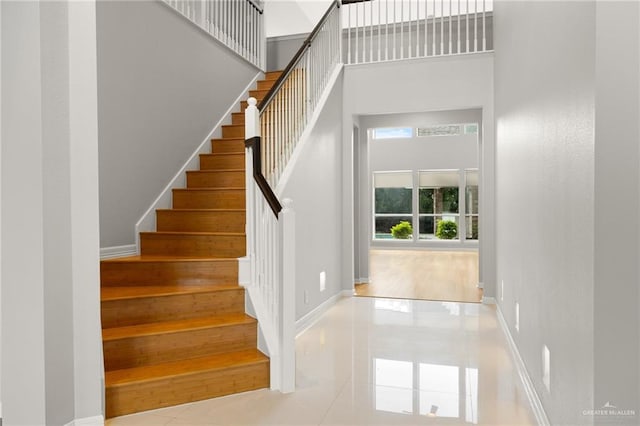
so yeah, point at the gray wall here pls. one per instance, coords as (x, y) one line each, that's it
(315, 186)
(567, 141)
(51, 343)
(416, 153)
(421, 85)
(162, 86)
(280, 50)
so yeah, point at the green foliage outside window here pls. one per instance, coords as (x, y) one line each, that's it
(393, 200)
(447, 230)
(402, 230)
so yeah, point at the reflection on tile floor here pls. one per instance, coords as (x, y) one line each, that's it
(381, 362)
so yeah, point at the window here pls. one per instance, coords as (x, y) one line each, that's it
(393, 202)
(471, 204)
(438, 202)
(392, 132)
(447, 130)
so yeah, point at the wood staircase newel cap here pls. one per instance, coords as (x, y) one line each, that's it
(252, 119)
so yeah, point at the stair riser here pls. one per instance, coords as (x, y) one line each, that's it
(145, 310)
(265, 84)
(258, 94)
(222, 162)
(126, 399)
(216, 179)
(237, 118)
(174, 273)
(200, 221)
(227, 145)
(231, 199)
(227, 246)
(158, 348)
(233, 131)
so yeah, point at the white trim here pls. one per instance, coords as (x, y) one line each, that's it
(361, 280)
(304, 323)
(480, 285)
(487, 300)
(148, 220)
(304, 138)
(118, 251)
(299, 36)
(87, 421)
(530, 391)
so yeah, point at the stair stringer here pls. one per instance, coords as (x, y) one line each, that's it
(147, 222)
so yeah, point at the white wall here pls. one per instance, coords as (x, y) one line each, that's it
(51, 334)
(567, 177)
(421, 85)
(315, 186)
(617, 182)
(163, 84)
(286, 17)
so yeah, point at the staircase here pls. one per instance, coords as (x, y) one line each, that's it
(174, 327)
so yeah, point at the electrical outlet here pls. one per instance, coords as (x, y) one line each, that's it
(546, 367)
(502, 290)
(517, 317)
(306, 297)
(323, 281)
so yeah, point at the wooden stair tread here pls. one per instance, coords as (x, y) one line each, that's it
(202, 210)
(212, 234)
(175, 326)
(111, 293)
(161, 258)
(224, 154)
(227, 188)
(218, 171)
(183, 367)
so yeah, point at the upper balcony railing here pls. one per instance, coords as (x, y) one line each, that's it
(389, 30)
(238, 24)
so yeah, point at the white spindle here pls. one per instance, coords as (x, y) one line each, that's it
(394, 29)
(379, 25)
(418, 28)
(467, 27)
(442, 27)
(426, 29)
(450, 39)
(484, 26)
(349, 35)
(401, 29)
(458, 44)
(433, 30)
(386, 31)
(356, 27)
(475, 26)
(371, 33)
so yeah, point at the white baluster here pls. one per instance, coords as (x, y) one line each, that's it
(450, 39)
(458, 50)
(467, 27)
(484, 26)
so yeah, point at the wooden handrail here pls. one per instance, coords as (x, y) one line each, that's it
(256, 5)
(265, 188)
(296, 58)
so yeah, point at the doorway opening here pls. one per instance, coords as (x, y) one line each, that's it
(417, 211)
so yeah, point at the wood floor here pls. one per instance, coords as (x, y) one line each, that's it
(422, 274)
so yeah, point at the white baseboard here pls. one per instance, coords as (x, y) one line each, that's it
(87, 421)
(530, 391)
(361, 281)
(148, 220)
(312, 317)
(480, 285)
(118, 251)
(487, 300)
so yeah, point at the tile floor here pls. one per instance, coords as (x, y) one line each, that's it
(374, 361)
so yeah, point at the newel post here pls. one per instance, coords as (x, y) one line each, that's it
(251, 130)
(287, 218)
